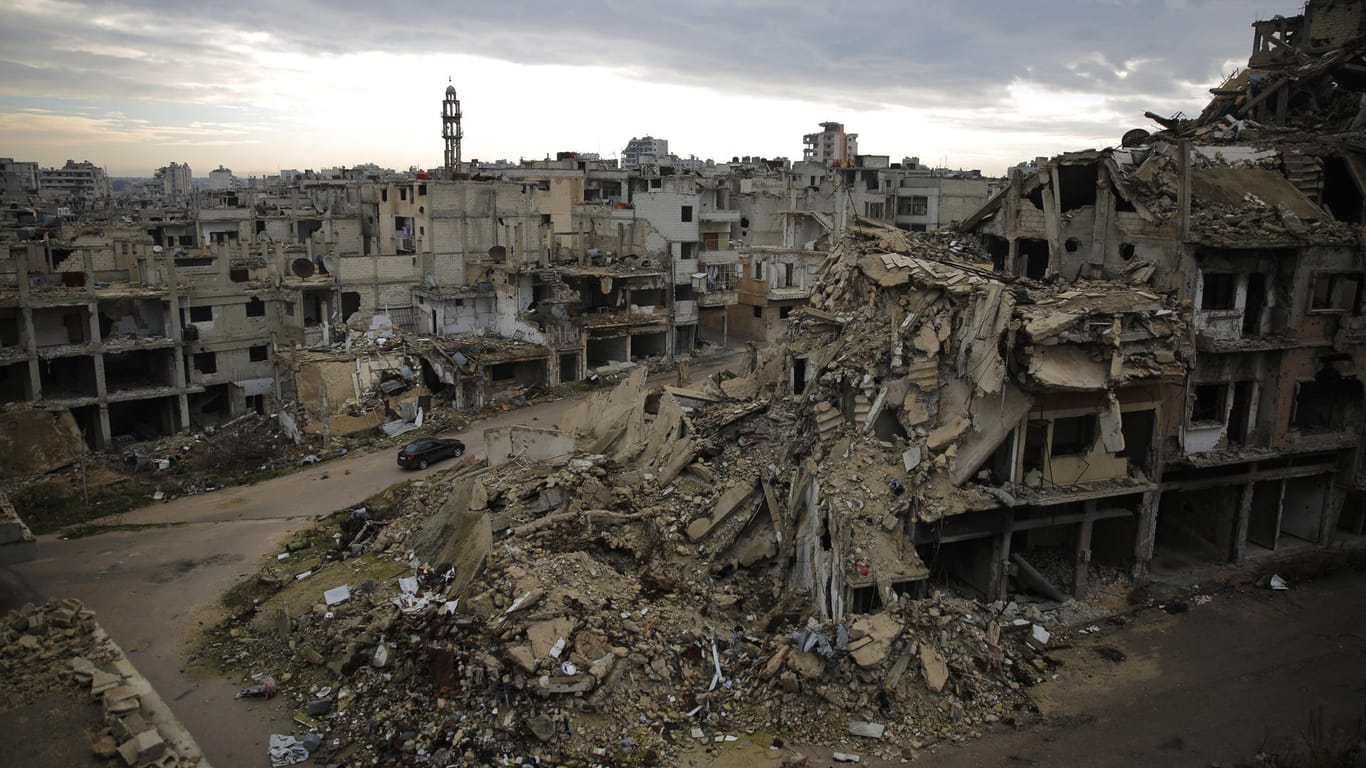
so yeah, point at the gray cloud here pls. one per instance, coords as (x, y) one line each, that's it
(1137, 54)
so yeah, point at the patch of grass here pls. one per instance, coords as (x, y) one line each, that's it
(50, 505)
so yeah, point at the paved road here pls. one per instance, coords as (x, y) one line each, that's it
(153, 586)
(1204, 687)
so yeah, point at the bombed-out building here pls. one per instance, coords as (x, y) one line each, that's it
(1250, 218)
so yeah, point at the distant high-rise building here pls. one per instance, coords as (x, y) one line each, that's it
(75, 181)
(451, 130)
(645, 150)
(832, 146)
(175, 180)
(221, 179)
(18, 180)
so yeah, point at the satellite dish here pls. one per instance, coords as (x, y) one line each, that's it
(429, 280)
(329, 264)
(301, 267)
(157, 249)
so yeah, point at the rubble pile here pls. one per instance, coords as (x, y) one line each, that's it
(58, 646)
(672, 567)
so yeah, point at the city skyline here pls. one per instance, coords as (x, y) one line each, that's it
(980, 85)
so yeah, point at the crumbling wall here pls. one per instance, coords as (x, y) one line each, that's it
(37, 440)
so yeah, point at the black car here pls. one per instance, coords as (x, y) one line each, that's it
(419, 453)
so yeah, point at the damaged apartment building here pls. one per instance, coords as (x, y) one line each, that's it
(1250, 217)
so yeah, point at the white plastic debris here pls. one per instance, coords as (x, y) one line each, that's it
(337, 595)
(1278, 584)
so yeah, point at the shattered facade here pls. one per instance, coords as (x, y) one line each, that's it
(1250, 218)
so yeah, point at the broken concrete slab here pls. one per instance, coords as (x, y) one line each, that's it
(934, 668)
(867, 730)
(871, 639)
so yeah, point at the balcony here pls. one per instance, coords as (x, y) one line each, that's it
(724, 217)
(787, 294)
(720, 298)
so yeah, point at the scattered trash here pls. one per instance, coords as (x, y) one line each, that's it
(1278, 584)
(263, 689)
(286, 750)
(337, 595)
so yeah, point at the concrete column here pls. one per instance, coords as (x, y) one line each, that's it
(1240, 525)
(1147, 535)
(999, 588)
(27, 332)
(1082, 564)
(105, 436)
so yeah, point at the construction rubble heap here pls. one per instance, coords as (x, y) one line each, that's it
(673, 568)
(58, 650)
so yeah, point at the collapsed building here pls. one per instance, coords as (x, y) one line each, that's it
(1250, 217)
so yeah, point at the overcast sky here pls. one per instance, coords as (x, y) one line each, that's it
(259, 85)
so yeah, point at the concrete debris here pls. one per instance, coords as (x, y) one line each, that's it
(59, 646)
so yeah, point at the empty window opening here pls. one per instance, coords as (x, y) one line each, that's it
(256, 307)
(1034, 253)
(75, 327)
(206, 362)
(1328, 402)
(872, 210)
(870, 183)
(1126, 251)
(758, 311)
(1341, 195)
(350, 302)
(1240, 417)
(259, 353)
(1074, 436)
(1072, 244)
(1077, 186)
(306, 228)
(1137, 428)
(784, 311)
(1336, 293)
(999, 248)
(239, 275)
(1036, 437)
(1219, 291)
(201, 314)
(865, 599)
(1255, 303)
(686, 213)
(1209, 403)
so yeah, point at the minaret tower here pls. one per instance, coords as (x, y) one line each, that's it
(451, 130)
